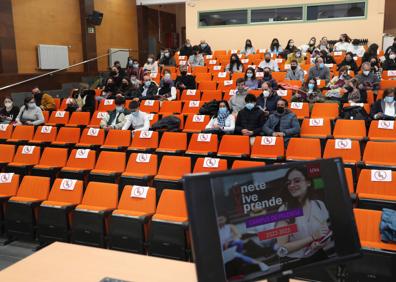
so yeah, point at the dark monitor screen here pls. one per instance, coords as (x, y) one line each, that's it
(268, 221)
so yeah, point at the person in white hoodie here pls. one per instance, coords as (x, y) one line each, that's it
(223, 121)
(138, 120)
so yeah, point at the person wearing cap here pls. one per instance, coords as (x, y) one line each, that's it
(115, 119)
(136, 120)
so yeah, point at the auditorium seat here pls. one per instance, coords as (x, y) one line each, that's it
(351, 129)
(190, 94)
(117, 140)
(7, 152)
(316, 128)
(234, 146)
(52, 160)
(9, 184)
(380, 154)
(44, 135)
(149, 106)
(46, 116)
(91, 138)
(109, 167)
(25, 158)
(301, 110)
(140, 170)
(209, 165)
(209, 95)
(171, 171)
(171, 107)
(54, 219)
(22, 210)
(245, 164)
(348, 150)
(5, 132)
(376, 189)
(58, 118)
(80, 119)
(325, 110)
(96, 118)
(144, 141)
(79, 164)
(383, 130)
(192, 107)
(207, 85)
(21, 134)
(90, 218)
(173, 143)
(226, 85)
(268, 148)
(168, 235)
(199, 69)
(349, 178)
(196, 123)
(106, 105)
(67, 137)
(303, 149)
(129, 223)
(203, 144)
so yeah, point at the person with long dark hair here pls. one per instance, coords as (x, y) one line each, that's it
(30, 113)
(290, 48)
(251, 81)
(275, 47)
(223, 121)
(248, 49)
(235, 64)
(9, 113)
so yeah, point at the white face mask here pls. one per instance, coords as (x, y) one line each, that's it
(8, 105)
(266, 93)
(366, 72)
(392, 57)
(31, 105)
(150, 60)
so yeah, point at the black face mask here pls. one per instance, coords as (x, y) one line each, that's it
(373, 64)
(183, 72)
(113, 73)
(349, 88)
(293, 67)
(267, 60)
(280, 110)
(248, 44)
(266, 74)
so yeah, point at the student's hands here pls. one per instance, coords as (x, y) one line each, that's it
(246, 132)
(379, 115)
(320, 232)
(278, 134)
(29, 122)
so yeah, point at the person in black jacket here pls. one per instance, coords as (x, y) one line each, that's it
(204, 48)
(390, 61)
(9, 113)
(268, 99)
(327, 58)
(184, 80)
(385, 108)
(349, 62)
(250, 119)
(371, 53)
(88, 100)
(187, 49)
(148, 90)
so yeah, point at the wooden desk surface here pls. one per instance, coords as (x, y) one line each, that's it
(61, 262)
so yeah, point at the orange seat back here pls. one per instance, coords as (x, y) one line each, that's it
(172, 203)
(196, 123)
(96, 118)
(145, 140)
(79, 118)
(28, 155)
(303, 149)
(191, 95)
(234, 145)
(192, 107)
(209, 95)
(101, 194)
(316, 128)
(266, 147)
(145, 164)
(365, 220)
(118, 138)
(382, 134)
(58, 194)
(209, 165)
(347, 128)
(245, 164)
(54, 157)
(6, 131)
(336, 148)
(6, 153)
(59, 117)
(23, 132)
(111, 161)
(147, 205)
(301, 110)
(106, 105)
(171, 107)
(92, 136)
(203, 143)
(8, 189)
(379, 153)
(68, 135)
(150, 106)
(325, 110)
(36, 187)
(203, 77)
(173, 141)
(349, 178)
(207, 85)
(45, 134)
(174, 166)
(370, 188)
(87, 163)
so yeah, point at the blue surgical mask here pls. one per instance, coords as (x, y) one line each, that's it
(135, 114)
(250, 106)
(119, 109)
(249, 75)
(321, 65)
(147, 83)
(311, 86)
(389, 99)
(223, 110)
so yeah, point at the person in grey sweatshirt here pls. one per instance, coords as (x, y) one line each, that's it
(30, 113)
(237, 102)
(295, 72)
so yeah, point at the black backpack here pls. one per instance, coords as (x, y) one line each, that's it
(209, 108)
(354, 112)
(169, 123)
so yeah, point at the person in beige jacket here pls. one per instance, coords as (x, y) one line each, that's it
(115, 119)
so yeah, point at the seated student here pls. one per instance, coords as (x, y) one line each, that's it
(135, 71)
(343, 44)
(125, 86)
(186, 49)
(73, 103)
(275, 47)
(109, 90)
(391, 48)
(337, 83)
(295, 56)
(167, 59)
(290, 49)
(282, 122)
(250, 119)
(376, 67)
(136, 120)
(121, 71)
(324, 45)
(116, 77)
(167, 90)
(367, 80)
(151, 65)
(268, 99)
(372, 52)
(295, 72)
(148, 90)
(196, 59)
(184, 80)
(352, 94)
(349, 62)
(30, 113)
(9, 113)
(390, 61)
(314, 56)
(88, 102)
(385, 108)
(327, 58)
(310, 46)
(235, 64)
(267, 62)
(223, 121)
(248, 49)
(356, 49)
(269, 79)
(237, 102)
(116, 118)
(309, 92)
(43, 100)
(204, 48)
(319, 71)
(251, 81)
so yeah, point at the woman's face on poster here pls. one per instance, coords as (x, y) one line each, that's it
(297, 184)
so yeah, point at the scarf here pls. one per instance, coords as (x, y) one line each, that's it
(221, 118)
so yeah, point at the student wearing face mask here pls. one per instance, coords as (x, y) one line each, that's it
(309, 92)
(324, 45)
(196, 59)
(223, 121)
(356, 49)
(184, 80)
(248, 49)
(167, 59)
(251, 81)
(74, 102)
(309, 47)
(109, 90)
(290, 48)
(367, 80)
(115, 119)
(269, 79)
(235, 64)
(151, 65)
(349, 62)
(250, 119)
(376, 67)
(115, 76)
(372, 52)
(9, 112)
(296, 56)
(268, 99)
(167, 89)
(148, 90)
(136, 120)
(282, 122)
(391, 48)
(30, 113)
(204, 48)
(385, 108)
(352, 94)
(186, 49)
(390, 61)
(327, 58)
(43, 100)
(343, 44)
(125, 87)
(295, 72)
(275, 47)
(267, 62)
(237, 102)
(135, 70)
(319, 71)
(337, 83)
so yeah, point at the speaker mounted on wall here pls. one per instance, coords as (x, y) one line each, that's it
(95, 18)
